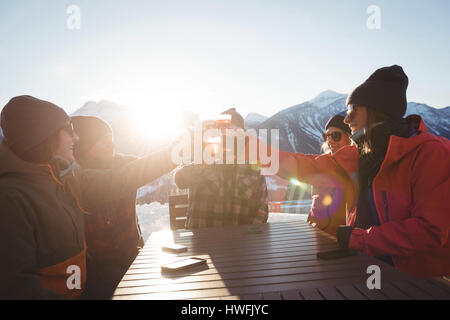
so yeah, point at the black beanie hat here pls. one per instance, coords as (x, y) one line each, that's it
(236, 118)
(27, 122)
(89, 130)
(338, 122)
(384, 90)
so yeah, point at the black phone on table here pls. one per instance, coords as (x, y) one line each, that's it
(174, 248)
(336, 254)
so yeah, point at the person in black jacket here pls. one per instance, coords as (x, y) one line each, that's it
(113, 235)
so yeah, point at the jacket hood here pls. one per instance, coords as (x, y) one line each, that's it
(400, 147)
(10, 163)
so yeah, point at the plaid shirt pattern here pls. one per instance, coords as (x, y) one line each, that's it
(221, 195)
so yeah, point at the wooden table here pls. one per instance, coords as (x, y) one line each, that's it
(279, 263)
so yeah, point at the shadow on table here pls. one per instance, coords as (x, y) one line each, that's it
(245, 261)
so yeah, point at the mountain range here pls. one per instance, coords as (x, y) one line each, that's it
(301, 126)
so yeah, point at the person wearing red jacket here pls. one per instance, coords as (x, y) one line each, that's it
(401, 214)
(398, 177)
(330, 187)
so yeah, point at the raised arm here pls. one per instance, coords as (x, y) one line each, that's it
(100, 186)
(300, 166)
(297, 165)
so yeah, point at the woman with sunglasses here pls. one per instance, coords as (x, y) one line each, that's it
(331, 191)
(44, 197)
(337, 134)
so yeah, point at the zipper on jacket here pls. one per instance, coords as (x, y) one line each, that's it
(373, 210)
(386, 207)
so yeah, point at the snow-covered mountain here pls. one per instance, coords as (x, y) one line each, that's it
(325, 98)
(253, 119)
(301, 126)
(437, 120)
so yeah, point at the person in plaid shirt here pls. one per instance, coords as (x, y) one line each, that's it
(221, 195)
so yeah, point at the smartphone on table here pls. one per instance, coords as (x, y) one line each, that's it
(183, 264)
(336, 254)
(174, 248)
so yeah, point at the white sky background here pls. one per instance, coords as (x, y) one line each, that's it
(206, 56)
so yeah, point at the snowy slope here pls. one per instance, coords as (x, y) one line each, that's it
(301, 126)
(252, 120)
(153, 217)
(326, 98)
(437, 120)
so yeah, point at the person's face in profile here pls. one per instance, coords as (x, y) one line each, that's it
(67, 138)
(103, 149)
(356, 117)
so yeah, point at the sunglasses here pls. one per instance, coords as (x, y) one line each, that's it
(336, 136)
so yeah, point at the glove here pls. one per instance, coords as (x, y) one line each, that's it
(343, 234)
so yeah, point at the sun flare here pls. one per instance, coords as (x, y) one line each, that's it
(164, 123)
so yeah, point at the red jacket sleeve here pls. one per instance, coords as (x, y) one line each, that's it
(310, 168)
(301, 160)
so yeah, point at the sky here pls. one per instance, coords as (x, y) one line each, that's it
(160, 57)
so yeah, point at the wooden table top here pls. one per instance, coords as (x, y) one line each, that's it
(278, 263)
